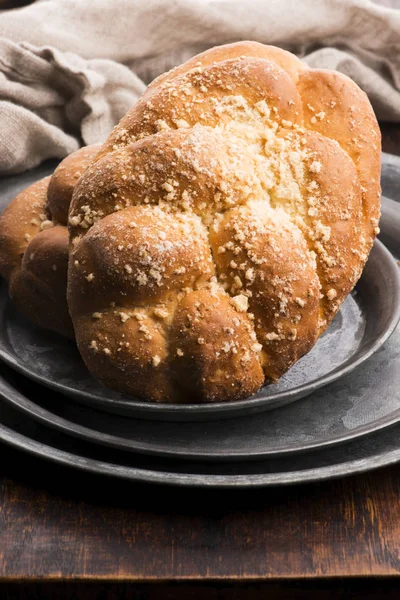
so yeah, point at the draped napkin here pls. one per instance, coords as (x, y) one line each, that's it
(70, 69)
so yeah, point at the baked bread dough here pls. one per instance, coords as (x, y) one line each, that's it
(34, 244)
(222, 224)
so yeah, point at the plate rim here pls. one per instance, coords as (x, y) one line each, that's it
(210, 481)
(187, 412)
(46, 417)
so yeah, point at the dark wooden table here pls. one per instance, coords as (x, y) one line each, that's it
(65, 534)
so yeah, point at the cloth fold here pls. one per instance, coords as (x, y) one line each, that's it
(69, 70)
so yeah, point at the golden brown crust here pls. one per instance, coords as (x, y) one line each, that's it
(19, 223)
(335, 107)
(164, 169)
(252, 186)
(332, 222)
(109, 356)
(213, 350)
(34, 249)
(209, 96)
(64, 179)
(254, 247)
(285, 60)
(38, 288)
(137, 257)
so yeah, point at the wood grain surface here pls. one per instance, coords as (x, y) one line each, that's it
(67, 534)
(57, 524)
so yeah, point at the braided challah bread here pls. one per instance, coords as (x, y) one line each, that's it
(222, 224)
(34, 244)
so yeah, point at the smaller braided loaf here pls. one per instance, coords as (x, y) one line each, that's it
(34, 244)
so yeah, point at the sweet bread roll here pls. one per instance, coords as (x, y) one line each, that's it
(222, 224)
(34, 244)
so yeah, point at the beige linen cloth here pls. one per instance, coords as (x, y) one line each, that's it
(70, 69)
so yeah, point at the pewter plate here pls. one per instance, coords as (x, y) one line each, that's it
(363, 402)
(364, 322)
(378, 449)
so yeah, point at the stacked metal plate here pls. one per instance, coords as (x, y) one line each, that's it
(336, 412)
